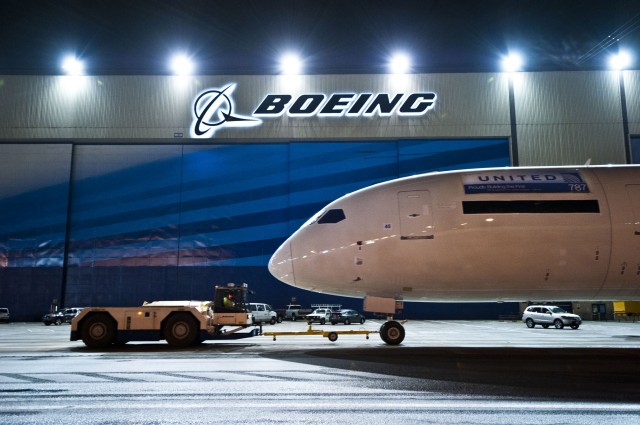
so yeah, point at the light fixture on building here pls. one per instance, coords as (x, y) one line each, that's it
(181, 64)
(620, 61)
(72, 66)
(400, 63)
(512, 62)
(290, 64)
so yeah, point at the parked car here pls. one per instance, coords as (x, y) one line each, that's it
(262, 313)
(69, 313)
(54, 318)
(320, 315)
(293, 312)
(547, 315)
(61, 316)
(5, 316)
(347, 317)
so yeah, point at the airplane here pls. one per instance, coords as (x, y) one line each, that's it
(479, 235)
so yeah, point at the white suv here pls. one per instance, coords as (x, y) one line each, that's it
(547, 315)
(262, 313)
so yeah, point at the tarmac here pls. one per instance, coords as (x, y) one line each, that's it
(444, 371)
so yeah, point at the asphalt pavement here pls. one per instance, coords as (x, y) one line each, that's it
(445, 371)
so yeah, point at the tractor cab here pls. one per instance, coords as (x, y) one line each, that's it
(230, 298)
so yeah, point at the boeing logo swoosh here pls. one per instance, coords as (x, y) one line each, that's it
(213, 109)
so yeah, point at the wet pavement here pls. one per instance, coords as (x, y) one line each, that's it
(457, 372)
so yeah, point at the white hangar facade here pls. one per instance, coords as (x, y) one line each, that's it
(121, 189)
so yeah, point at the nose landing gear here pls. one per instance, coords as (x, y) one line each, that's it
(392, 332)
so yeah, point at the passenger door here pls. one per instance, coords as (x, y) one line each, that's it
(545, 316)
(260, 313)
(416, 219)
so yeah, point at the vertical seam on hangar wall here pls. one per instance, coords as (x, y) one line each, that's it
(625, 118)
(67, 231)
(515, 161)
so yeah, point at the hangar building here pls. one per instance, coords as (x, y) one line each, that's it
(121, 189)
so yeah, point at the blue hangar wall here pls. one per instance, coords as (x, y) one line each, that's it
(118, 224)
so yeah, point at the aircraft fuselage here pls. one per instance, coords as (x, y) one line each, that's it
(509, 234)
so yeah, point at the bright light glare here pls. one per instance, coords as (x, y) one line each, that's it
(620, 61)
(181, 65)
(290, 64)
(72, 66)
(512, 62)
(400, 63)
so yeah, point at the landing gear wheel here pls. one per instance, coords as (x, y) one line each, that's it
(558, 324)
(392, 332)
(530, 323)
(98, 331)
(181, 330)
(333, 337)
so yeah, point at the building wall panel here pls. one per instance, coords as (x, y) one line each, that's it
(159, 108)
(632, 91)
(568, 118)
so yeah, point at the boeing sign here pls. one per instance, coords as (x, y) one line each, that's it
(213, 108)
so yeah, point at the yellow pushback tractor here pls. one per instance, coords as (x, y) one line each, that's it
(180, 323)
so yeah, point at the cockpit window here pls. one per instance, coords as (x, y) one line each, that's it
(332, 216)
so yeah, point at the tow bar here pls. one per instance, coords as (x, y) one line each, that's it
(331, 335)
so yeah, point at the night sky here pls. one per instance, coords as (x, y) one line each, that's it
(334, 37)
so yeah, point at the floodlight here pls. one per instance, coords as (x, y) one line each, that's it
(181, 64)
(400, 63)
(512, 62)
(72, 66)
(290, 64)
(620, 61)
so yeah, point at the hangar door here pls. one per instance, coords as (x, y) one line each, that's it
(416, 219)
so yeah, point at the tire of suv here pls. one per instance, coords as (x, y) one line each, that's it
(558, 324)
(530, 323)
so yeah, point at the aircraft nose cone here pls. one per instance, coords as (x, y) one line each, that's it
(281, 264)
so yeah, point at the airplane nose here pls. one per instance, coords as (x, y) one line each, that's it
(281, 264)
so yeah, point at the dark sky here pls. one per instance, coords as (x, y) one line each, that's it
(336, 36)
